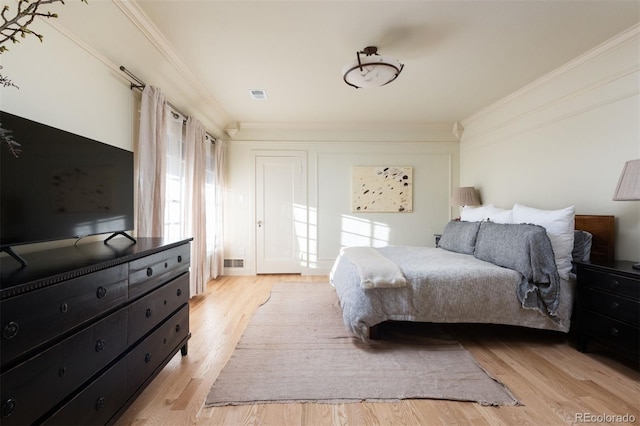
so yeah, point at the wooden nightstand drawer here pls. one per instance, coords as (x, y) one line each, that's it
(613, 283)
(608, 306)
(610, 331)
(617, 307)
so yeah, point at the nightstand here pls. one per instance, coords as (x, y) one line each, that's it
(608, 307)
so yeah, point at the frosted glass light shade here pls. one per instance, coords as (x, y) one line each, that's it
(373, 71)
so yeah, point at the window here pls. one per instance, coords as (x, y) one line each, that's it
(174, 211)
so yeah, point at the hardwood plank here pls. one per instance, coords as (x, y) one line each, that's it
(550, 377)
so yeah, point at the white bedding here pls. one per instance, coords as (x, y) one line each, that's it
(374, 269)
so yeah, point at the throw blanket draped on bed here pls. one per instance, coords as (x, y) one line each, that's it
(375, 270)
(526, 249)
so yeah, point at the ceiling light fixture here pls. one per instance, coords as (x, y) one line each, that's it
(372, 70)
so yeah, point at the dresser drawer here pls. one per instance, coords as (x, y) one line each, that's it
(97, 403)
(610, 331)
(153, 351)
(31, 388)
(34, 318)
(147, 312)
(617, 307)
(150, 272)
(610, 282)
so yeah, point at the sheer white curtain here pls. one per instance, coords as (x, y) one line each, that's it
(215, 219)
(180, 185)
(195, 207)
(203, 204)
(150, 164)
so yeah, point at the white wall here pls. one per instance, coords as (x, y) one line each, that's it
(563, 140)
(332, 224)
(63, 86)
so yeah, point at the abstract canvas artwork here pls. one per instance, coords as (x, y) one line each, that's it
(381, 189)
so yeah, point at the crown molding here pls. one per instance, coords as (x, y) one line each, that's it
(346, 126)
(140, 20)
(627, 36)
(346, 132)
(86, 47)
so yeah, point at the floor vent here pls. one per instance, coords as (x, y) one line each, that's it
(234, 263)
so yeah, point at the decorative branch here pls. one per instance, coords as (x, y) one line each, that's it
(14, 26)
(6, 81)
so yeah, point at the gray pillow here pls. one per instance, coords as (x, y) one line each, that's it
(460, 236)
(581, 246)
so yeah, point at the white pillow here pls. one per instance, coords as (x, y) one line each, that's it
(497, 215)
(559, 225)
(474, 214)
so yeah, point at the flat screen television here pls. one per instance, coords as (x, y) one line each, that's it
(56, 185)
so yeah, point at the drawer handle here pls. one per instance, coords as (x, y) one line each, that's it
(10, 330)
(147, 358)
(614, 306)
(614, 284)
(8, 407)
(179, 259)
(179, 292)
(614, 332)
(149, 312)
(62, 371)
(64, 308)
(177, 328)
(101, 292)
(100, 344)
(100, 403)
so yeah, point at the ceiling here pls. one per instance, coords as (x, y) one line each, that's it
(459, 56)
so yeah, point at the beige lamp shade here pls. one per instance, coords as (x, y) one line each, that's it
(465, 196)
(628, 188)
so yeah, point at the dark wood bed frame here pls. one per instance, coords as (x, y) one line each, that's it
(602, 228)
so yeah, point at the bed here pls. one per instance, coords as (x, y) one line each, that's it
(489, 270)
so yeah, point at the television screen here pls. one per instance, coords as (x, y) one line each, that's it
(55, 184)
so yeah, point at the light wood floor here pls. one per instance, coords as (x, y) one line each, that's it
(543, 370)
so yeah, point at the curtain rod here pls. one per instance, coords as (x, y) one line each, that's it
(141, 85)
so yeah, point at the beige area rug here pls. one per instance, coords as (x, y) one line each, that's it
(296, 349)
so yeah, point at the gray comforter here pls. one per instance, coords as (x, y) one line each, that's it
(442, 286)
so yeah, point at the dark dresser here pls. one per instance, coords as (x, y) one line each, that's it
(608, 307)
(86, 328)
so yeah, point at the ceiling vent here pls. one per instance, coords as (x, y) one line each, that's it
(258, 94)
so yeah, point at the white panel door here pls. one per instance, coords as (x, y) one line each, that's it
(280, 214)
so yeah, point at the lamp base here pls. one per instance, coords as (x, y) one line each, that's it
(636, 266)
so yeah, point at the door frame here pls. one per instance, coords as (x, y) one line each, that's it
(304, 246)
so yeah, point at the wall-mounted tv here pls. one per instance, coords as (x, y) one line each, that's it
(55, 184)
